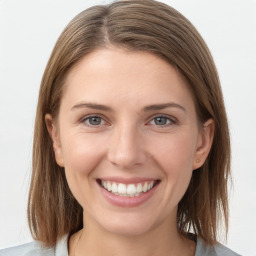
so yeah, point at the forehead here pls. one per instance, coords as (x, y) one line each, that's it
(113, 75)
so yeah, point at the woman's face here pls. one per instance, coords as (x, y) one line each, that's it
(127, 121)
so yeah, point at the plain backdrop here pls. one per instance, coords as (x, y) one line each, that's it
(28, 31)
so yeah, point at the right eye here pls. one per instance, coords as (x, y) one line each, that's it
(94, 121)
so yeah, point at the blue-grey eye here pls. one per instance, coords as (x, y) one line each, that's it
(160, 120)
(94, 120)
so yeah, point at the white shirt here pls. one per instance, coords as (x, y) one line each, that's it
(61, 249)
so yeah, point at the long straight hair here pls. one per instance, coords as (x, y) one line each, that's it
(136, 25)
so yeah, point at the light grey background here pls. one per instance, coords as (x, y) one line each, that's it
(28, 31)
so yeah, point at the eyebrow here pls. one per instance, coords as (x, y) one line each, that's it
(92, 106)
(163, 106)
(145, 109)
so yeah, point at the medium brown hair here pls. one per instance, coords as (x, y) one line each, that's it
(136, 25)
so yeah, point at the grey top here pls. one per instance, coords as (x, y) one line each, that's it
(61, 249)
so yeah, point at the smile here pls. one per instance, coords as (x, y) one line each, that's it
(128, 190)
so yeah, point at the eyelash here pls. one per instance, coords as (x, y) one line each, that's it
(87, 118)
(170, 120)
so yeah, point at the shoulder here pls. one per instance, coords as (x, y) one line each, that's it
(29, 249)
(36, 248)
(216, 250)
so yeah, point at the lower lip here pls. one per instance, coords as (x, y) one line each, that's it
(126, 201)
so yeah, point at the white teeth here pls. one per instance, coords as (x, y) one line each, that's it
(139, 188)
(121, 188)
(145, 187)
(131, 190)
(127, 190)
(109, 187)
(114, 188)
(150, 185)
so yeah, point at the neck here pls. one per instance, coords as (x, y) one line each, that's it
(162, 241)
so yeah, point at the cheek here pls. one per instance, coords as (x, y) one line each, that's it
(81, 156)
(175, 156)
(176, 151)
(82, 153)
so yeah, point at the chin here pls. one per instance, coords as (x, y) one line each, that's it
(127, 225)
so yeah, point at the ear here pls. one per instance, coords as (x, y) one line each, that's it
(54, 134)
(204, 143)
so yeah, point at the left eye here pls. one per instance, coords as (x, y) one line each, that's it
(94, 120)
(161, 120)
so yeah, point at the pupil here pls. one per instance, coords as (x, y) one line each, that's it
(160, 120)
(95, 120)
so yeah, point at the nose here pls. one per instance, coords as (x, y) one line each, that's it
(126, 148)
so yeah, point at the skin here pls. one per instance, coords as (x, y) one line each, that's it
(128, 142)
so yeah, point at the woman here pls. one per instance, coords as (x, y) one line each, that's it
(131, 146)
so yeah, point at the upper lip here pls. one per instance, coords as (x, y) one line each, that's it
(128, 180)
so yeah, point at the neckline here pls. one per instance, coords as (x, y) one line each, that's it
(61, 248)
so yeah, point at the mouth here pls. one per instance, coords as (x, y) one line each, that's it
(128, 190)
